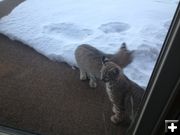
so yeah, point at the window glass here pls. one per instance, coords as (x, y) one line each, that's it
(66, 66)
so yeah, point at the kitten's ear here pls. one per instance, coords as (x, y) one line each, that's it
(104, 59)
(123, 46)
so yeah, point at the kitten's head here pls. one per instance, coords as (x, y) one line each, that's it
(109, 71)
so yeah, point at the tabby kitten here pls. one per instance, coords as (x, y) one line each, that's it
(89, 61)
(124, 94)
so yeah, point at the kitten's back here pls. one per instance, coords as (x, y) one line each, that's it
(89, 59)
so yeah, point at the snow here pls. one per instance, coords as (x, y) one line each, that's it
(55, 28)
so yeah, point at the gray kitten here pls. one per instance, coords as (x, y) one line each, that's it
(124, 94)
(89, 61)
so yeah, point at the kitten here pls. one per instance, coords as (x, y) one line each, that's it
(89, 61)
(124, 94)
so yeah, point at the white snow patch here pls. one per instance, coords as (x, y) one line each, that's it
(55, 28)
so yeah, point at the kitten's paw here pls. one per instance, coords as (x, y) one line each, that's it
(92, 84)
(83, 76)
(114, 109)
(120, 119)
(115, 119)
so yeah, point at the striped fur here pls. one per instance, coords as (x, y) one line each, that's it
(124, 94)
